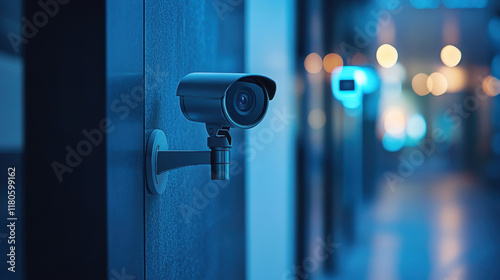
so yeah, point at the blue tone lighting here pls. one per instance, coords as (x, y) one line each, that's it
(416, 127)
(495, 66)
(368, 79)
(450, 4)
(465, 4)
(389, 4)
(425, 4)
(350, 97)
(494, 30)
(392, 143)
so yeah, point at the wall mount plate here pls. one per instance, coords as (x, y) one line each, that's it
(157, 141)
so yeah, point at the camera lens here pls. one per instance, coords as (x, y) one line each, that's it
(244, 101)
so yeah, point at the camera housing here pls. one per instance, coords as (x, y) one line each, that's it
(225, 99)
(221, 101)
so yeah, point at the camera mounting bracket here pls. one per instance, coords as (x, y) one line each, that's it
(159, 159)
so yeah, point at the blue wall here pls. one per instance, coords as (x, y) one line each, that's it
(124, 144)
(271, 161)
(183, 37)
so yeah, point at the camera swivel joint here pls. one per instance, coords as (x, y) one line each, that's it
(219, 142)
(159, 159)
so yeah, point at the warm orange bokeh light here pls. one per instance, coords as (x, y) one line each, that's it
(451, 56)
(437, 83)
(394, 122)
(313, 63)
(419, 84)
(491, 86)
(332, 61)
(387, 55)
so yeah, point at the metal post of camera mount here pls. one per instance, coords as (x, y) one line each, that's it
(219, 143)
(159, 159)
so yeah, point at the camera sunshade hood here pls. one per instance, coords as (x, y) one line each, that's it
(215, 84)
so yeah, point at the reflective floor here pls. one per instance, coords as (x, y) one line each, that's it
(442, 226)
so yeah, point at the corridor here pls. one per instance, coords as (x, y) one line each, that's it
(437, 225)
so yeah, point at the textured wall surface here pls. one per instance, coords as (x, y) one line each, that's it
(124, 145)
(208, 242)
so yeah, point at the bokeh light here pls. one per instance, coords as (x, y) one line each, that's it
(456, 77)
(313, 63)
(368, 79)
(419, 84)
(360, 76)
(332, 61)
(352, 103)
(394, 122)
(316, 119)
(416, 127)
(491, 86)
(393, 143)
(437, 83)
(451, 56)
(387, 56)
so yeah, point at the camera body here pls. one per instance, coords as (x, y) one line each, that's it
(225, 99)
(221, 101)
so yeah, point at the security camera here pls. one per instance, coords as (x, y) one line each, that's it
(225, 99)
(221, 101)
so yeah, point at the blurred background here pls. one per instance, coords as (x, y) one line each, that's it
(379, 157)
(400, 174)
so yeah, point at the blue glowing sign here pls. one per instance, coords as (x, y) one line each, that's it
(350, 82)
(345, 87)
